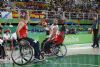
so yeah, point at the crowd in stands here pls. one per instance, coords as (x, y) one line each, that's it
(24, 5)
(68, 6)
(76, 29)
(71, 6)
(32, 5)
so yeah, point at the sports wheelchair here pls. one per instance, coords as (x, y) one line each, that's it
(59, 50)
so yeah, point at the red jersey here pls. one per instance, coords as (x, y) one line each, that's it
(59, 38)
(24, 31)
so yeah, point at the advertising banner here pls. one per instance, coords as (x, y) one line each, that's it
(37, 15)
(15, 14)
(6, 15)
(77, 39)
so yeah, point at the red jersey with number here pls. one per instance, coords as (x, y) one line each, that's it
(24, 31)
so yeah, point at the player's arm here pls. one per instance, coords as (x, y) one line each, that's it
(27, 17)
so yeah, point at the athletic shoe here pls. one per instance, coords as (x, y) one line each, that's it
(93, 46)
(35, 60)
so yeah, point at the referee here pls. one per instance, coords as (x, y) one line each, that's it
(95, 28)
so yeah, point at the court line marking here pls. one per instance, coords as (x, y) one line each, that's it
(67, 64)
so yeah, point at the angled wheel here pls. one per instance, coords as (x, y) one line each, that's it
(60, 51)
(23, 54)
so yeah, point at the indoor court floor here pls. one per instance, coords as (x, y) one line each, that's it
(77, 56)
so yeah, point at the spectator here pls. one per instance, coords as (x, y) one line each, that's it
(6, 37)
(67, 31)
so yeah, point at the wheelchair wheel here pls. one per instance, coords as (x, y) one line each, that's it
(23, 54)
(60, 51)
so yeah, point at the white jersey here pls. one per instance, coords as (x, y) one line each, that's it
(6, 36)
(54, 29)
(14, 36)
(1, 41)
(46, 28)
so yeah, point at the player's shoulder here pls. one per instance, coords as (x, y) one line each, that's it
(21, 23)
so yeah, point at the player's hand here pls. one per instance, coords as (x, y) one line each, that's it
(18, 37)
(49, 39)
